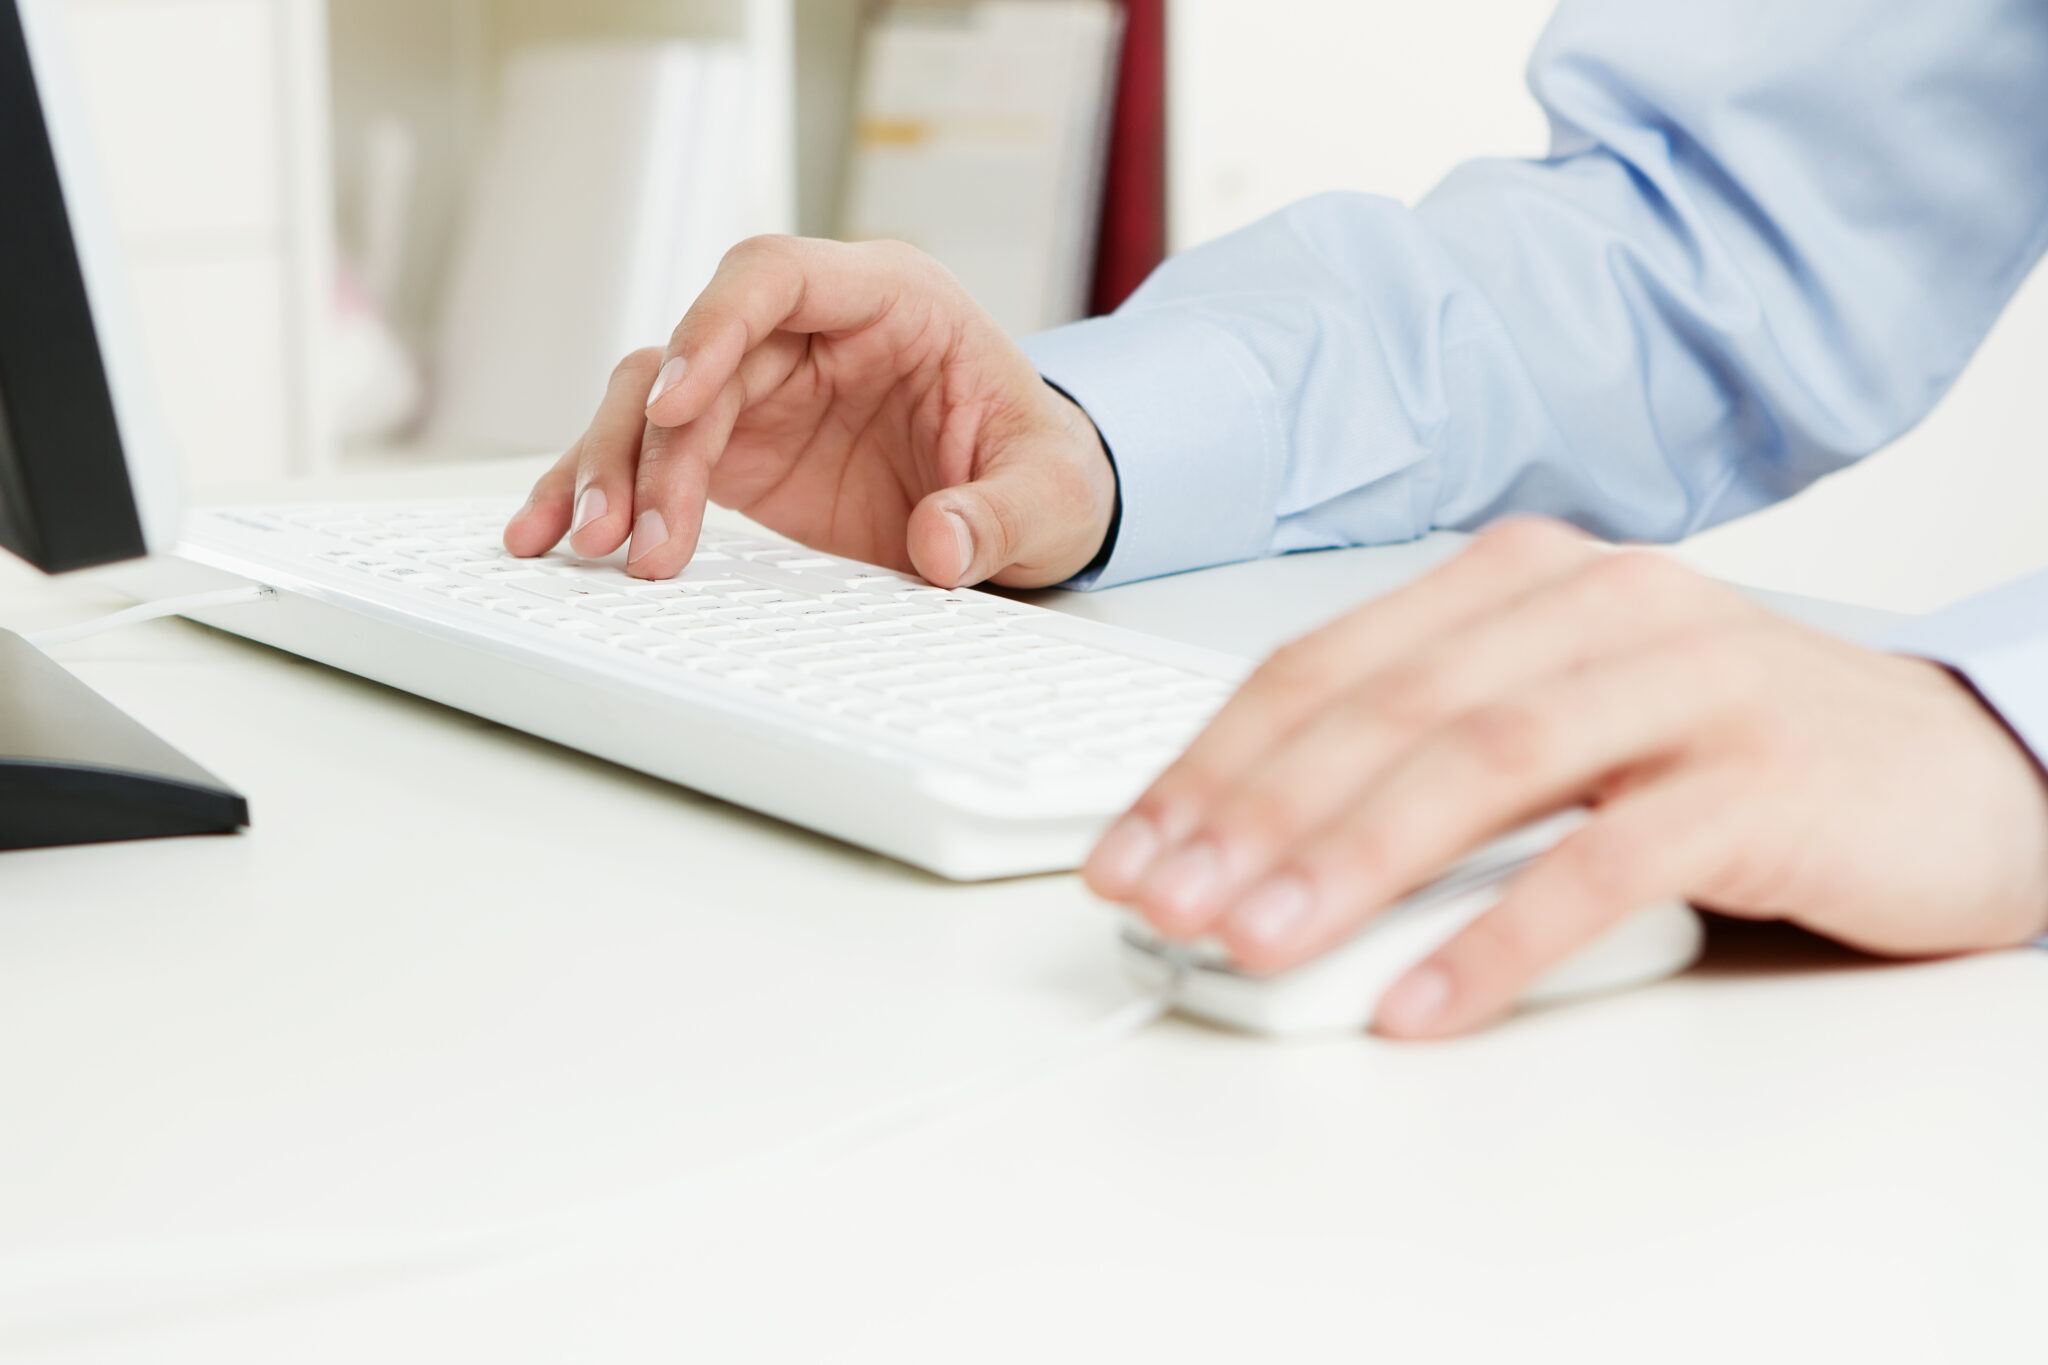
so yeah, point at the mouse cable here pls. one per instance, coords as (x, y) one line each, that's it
(98, 1285)
(152, 611)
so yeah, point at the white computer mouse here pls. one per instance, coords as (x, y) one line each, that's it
(1338, 992)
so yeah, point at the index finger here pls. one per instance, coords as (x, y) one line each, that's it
(767, 285)
(1505, 563)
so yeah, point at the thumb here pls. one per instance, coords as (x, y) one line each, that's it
(1026, 523)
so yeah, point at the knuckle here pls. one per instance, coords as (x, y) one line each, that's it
(636, 366)
(766, 251)
(1609, 869)
(1531, 542)
(1360, 855)
(898, 256)
(1642, 580)
(657, 446)
(1303, 667)
(1409, 700)
(1009, 523)
(1185, 785)
(1507, 738)
(1262, 822)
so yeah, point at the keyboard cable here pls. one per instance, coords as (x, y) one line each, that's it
(151, 611)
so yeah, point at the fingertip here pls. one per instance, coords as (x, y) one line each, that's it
(1416, 1006)
(1277, 925)
(598, 539)
(1119, 862)
(521, 541)
(666, 525)
(941, 544)
(596, 528)
(533, 530)
(963, 543)
(1183, 893)
(653, 552)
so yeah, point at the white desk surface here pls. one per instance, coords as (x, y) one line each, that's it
(454, 975)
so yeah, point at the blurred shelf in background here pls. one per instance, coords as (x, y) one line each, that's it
(322, 197)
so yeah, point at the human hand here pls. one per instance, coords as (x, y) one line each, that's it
(851, 397)
(1732, 759)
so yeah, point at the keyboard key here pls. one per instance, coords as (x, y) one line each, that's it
(832, 664)
(411, 574)
(777, 652)
(576, 625)
(857, 703)
(809, 609)
(569, 590)
(932, 691)
(995, 611)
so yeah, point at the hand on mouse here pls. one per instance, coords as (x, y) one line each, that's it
(851, 397)
(1732, 758)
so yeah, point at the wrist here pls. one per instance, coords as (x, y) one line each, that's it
(1093, 455)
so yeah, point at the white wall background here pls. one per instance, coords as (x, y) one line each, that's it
(185, 103)
(1276, 99)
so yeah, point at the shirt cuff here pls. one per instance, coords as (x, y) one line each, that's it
(1192, 427)
(1999, 641)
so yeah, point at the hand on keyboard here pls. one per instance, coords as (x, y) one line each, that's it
(852, 397)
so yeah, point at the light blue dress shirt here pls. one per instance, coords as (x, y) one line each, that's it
(1768, 236)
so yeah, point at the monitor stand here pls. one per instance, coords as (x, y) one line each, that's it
(75, 770)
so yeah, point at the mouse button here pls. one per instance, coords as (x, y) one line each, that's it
(1400, 937)
(1516, 849)
(1138, 933)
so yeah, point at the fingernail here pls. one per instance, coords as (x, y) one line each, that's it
(590, 505)
(1272, 913)
(965, 539)
(1124, 855)
(1185, 884)
(670, 376)
(650, 533)
(1414, 1002)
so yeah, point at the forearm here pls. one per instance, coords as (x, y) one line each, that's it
(1767, 240)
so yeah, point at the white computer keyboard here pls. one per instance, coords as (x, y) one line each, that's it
(986, 721)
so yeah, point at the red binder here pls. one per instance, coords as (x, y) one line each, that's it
(1133, 234)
